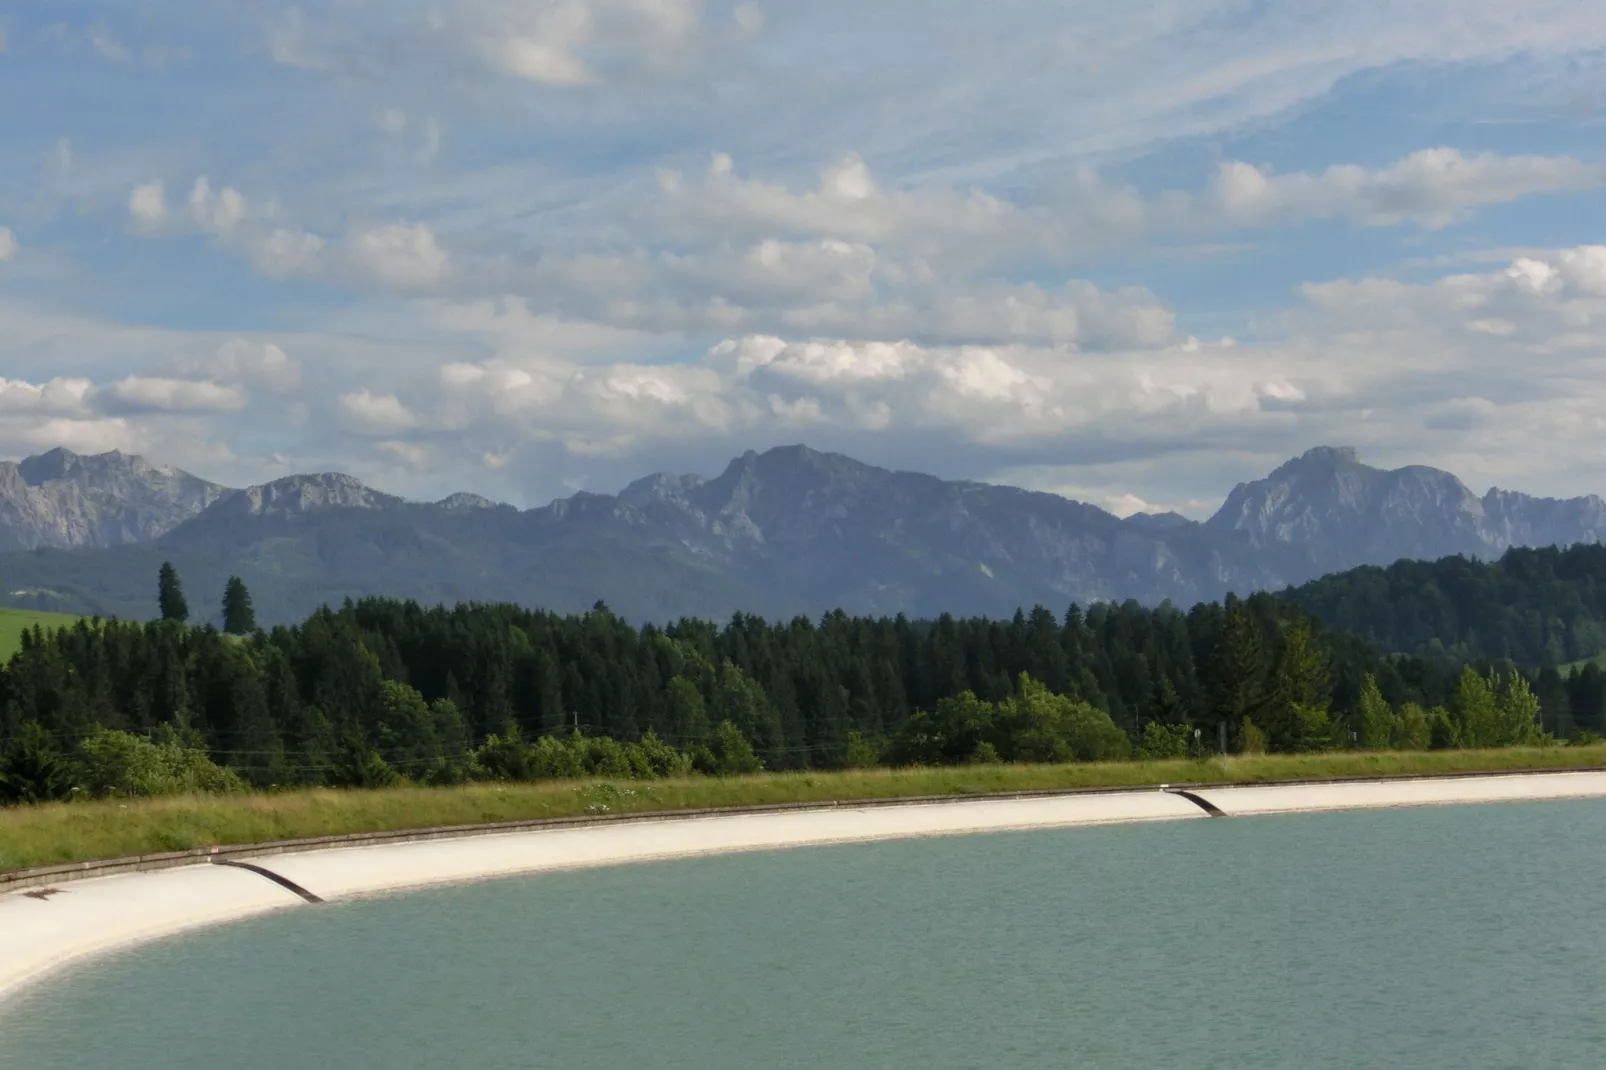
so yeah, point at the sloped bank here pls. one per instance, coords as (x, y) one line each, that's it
(54, 917)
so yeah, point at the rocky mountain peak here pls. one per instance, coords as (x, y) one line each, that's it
(463, 501)
(304, 494)
(1323, 457)
(659, 488)
(64, 499)
(62, 464)
(49, 466)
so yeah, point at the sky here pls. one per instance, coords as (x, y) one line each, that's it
(1130, 253)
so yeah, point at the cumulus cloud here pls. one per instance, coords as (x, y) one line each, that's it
(848, 203)
(369, 412)
(107, 46)
(78, 435)
(56, 397)
(151, 394)
(216, 212)
(1368, 361)
(850, 257)
(283, 253)
(1409, 371)
(244, 363)
(1086, 216)
(147, 206)
(1431, 188)
(401, 255)
(570, 42)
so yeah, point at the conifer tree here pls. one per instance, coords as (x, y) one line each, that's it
(170, 594)
(1239, 669)
(239, 618)
(1378, 726)
(1301, 691)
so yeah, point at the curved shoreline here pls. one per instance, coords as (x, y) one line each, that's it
(44, 928)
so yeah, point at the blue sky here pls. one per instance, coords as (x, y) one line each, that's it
(1131, 253)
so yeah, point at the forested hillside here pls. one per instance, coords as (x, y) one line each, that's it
(384, 688)
(1531, 607)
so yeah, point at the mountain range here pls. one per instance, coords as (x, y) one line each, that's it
(788, 531)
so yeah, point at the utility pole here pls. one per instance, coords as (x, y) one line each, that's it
(1221, 727)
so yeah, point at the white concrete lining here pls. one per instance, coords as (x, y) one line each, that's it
(86, 917)
(1247, 800)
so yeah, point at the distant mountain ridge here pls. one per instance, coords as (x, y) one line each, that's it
(1337, 513)
(791, 530)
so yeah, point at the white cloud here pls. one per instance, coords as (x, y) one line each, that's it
(1432, 188)
(218, 213)
(1584, 269)
(403, 255)
(1086, 216)
(153, 394)
(259, 364)
(57, 397)
(78, 435)
(8, 245)
(148, 205)
(567, 43)
(108, 46)
(408, 454)
(381, 413)
(1411, 372)
(284, 253)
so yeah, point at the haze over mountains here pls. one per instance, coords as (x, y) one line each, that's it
(787, 531)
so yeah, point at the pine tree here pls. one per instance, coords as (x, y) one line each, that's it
(1238, 670)
(1378, 726)
(238, 616)
(1474, 711)
(1301, 692)
(170, 595)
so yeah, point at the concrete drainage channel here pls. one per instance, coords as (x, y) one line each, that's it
(1202, 803)
(57, 914)
(42, 876)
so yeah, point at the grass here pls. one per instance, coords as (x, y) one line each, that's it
(13, 622)
(1598, 659)
(72, 832)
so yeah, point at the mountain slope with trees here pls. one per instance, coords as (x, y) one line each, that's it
(1532, 607)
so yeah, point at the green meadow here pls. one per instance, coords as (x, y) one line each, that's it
(13, 622)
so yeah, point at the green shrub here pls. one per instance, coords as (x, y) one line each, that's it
(112, 763)
(1162, 742)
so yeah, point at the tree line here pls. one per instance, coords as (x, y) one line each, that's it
(380, 690)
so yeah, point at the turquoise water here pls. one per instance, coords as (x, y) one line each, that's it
(1447, 937)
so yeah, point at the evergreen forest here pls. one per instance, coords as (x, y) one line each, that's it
(380, 691)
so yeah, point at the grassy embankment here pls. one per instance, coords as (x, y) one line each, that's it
(1567, 669)
(13, 622)
(70, 832)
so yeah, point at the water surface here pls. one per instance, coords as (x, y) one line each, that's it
(1443, 937)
